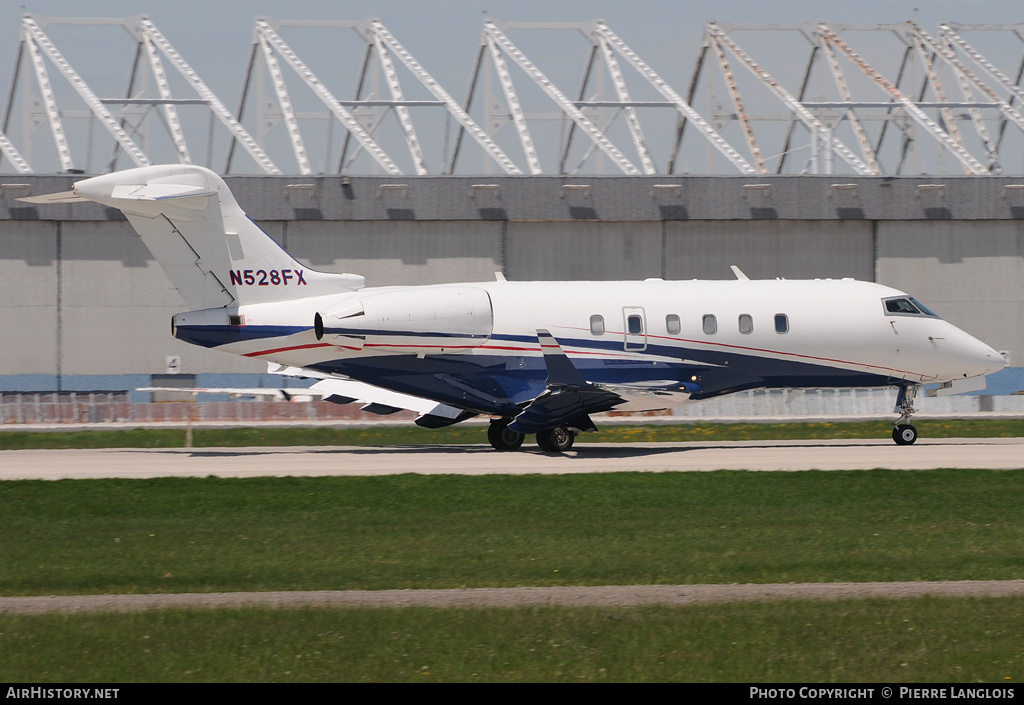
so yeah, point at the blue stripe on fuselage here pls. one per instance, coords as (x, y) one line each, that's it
(497, 383)
(215, 336)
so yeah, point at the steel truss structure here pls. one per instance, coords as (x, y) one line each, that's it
(915, 108)
(933, 98)
(380, 45)
(150, 44)
(495, 45)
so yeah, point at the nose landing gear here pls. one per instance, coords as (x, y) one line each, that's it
(904, 434)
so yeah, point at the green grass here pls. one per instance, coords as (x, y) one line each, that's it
(414, 531)
(461, 435)
(214, 534)
(924, 640)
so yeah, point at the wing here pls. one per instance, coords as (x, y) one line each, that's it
(260, 393)
(377, 400)
(568, 400)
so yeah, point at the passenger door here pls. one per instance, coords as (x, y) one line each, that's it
(634, 327)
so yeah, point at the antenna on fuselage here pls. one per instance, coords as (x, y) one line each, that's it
(739, 273)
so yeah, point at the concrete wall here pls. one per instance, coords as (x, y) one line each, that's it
(772, 248)
(102, 306)
(628, 198)
(583, 251)
(971, 273)
(399, 252)
(30, 272)
(116, 305)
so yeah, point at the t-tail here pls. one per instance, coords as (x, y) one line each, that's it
(211, 251)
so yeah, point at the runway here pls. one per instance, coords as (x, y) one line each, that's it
(977, 453)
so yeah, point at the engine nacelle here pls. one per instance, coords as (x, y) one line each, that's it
(425, 320)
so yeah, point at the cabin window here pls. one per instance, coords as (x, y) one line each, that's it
(672, 324)
(781, 323)
(635, 325)
(746, 323)
(710, 324)
(597, 325)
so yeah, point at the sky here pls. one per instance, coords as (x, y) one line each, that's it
(215, 37)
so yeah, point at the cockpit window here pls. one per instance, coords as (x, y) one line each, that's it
(924, 309)
(905, 306)
(901, 306)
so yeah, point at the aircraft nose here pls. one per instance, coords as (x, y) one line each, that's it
(988, 358)
(969, 357)
(980, 359)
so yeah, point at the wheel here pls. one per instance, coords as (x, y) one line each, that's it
(904, 434)
(501, 438)
(555, 440)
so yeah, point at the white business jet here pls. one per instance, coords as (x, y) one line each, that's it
(536, 357)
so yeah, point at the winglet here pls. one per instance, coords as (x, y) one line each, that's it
(569, 398)
(561, 371)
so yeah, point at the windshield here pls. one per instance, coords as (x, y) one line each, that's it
(924, 309)
(906, 306)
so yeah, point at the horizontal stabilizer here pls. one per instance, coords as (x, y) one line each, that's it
(160, 192)
(54, 198)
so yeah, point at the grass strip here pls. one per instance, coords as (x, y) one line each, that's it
(462, 435)
(415, 531)
(925, 640)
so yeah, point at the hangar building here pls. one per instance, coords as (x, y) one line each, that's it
(87, 308)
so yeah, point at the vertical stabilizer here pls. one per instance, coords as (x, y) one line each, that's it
(211, 251)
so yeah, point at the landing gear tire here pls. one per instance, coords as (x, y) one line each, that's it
(555, 440)
(501, 438)
(904, 434)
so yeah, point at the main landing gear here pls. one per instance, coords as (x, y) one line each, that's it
(553, 440)
(501, 438)
(904, 434)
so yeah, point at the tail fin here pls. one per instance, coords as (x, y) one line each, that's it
(211, 251)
